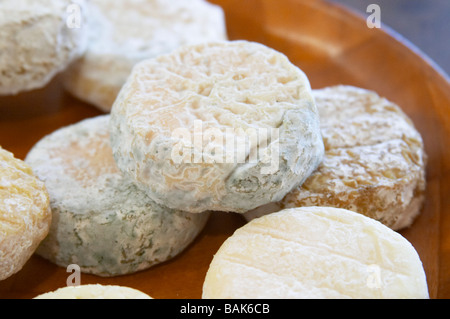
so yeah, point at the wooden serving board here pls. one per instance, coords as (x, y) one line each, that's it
(333, 46)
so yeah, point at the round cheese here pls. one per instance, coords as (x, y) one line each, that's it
(101, 221)
(38, 39)
(224, 126)
(317, 253)
(94, 291)
(374, 160)
(132, 30)
(25, 215)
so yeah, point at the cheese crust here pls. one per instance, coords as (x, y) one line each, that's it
(129, 31)
(37, 41)
(25, 215)
(101, 221)
(374, 160)
(218, 89)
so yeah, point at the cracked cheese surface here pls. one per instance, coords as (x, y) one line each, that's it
(226, 88)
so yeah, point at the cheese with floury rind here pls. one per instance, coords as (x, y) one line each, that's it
(38, 39)
(374, 160)
(224, 126)
(317, 253)
(25, 215)
(94, 291)
(132, 30)
(101, 221)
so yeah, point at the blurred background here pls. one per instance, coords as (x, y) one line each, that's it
(425, 23)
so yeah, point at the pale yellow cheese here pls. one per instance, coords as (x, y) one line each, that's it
(315, 252)
(94, 291)
(25, 215)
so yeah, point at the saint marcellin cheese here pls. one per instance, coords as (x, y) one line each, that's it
(374, 160)
(315, 252)
(211, 99)
(132, 30)
(101, 221)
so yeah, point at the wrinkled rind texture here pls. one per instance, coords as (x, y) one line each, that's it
(130, 31)
(102, 222)
(374, 160)
(236, 85)
(36, 42)
(94, 291)
(25, 215)
(317, 253)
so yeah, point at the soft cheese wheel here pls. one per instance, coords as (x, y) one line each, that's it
(94, 291)
(38, 39)
(101, 221)
(225, 126)
(25, 215)
(132, 30)
(374, 160)
(315, 252)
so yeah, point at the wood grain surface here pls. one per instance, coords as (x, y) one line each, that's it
(333, 46)
(424, 23)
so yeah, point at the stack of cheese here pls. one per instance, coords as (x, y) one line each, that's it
(337, 147)
(100, 220)
(199, 124)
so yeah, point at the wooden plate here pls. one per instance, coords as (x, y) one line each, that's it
(333, 46)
